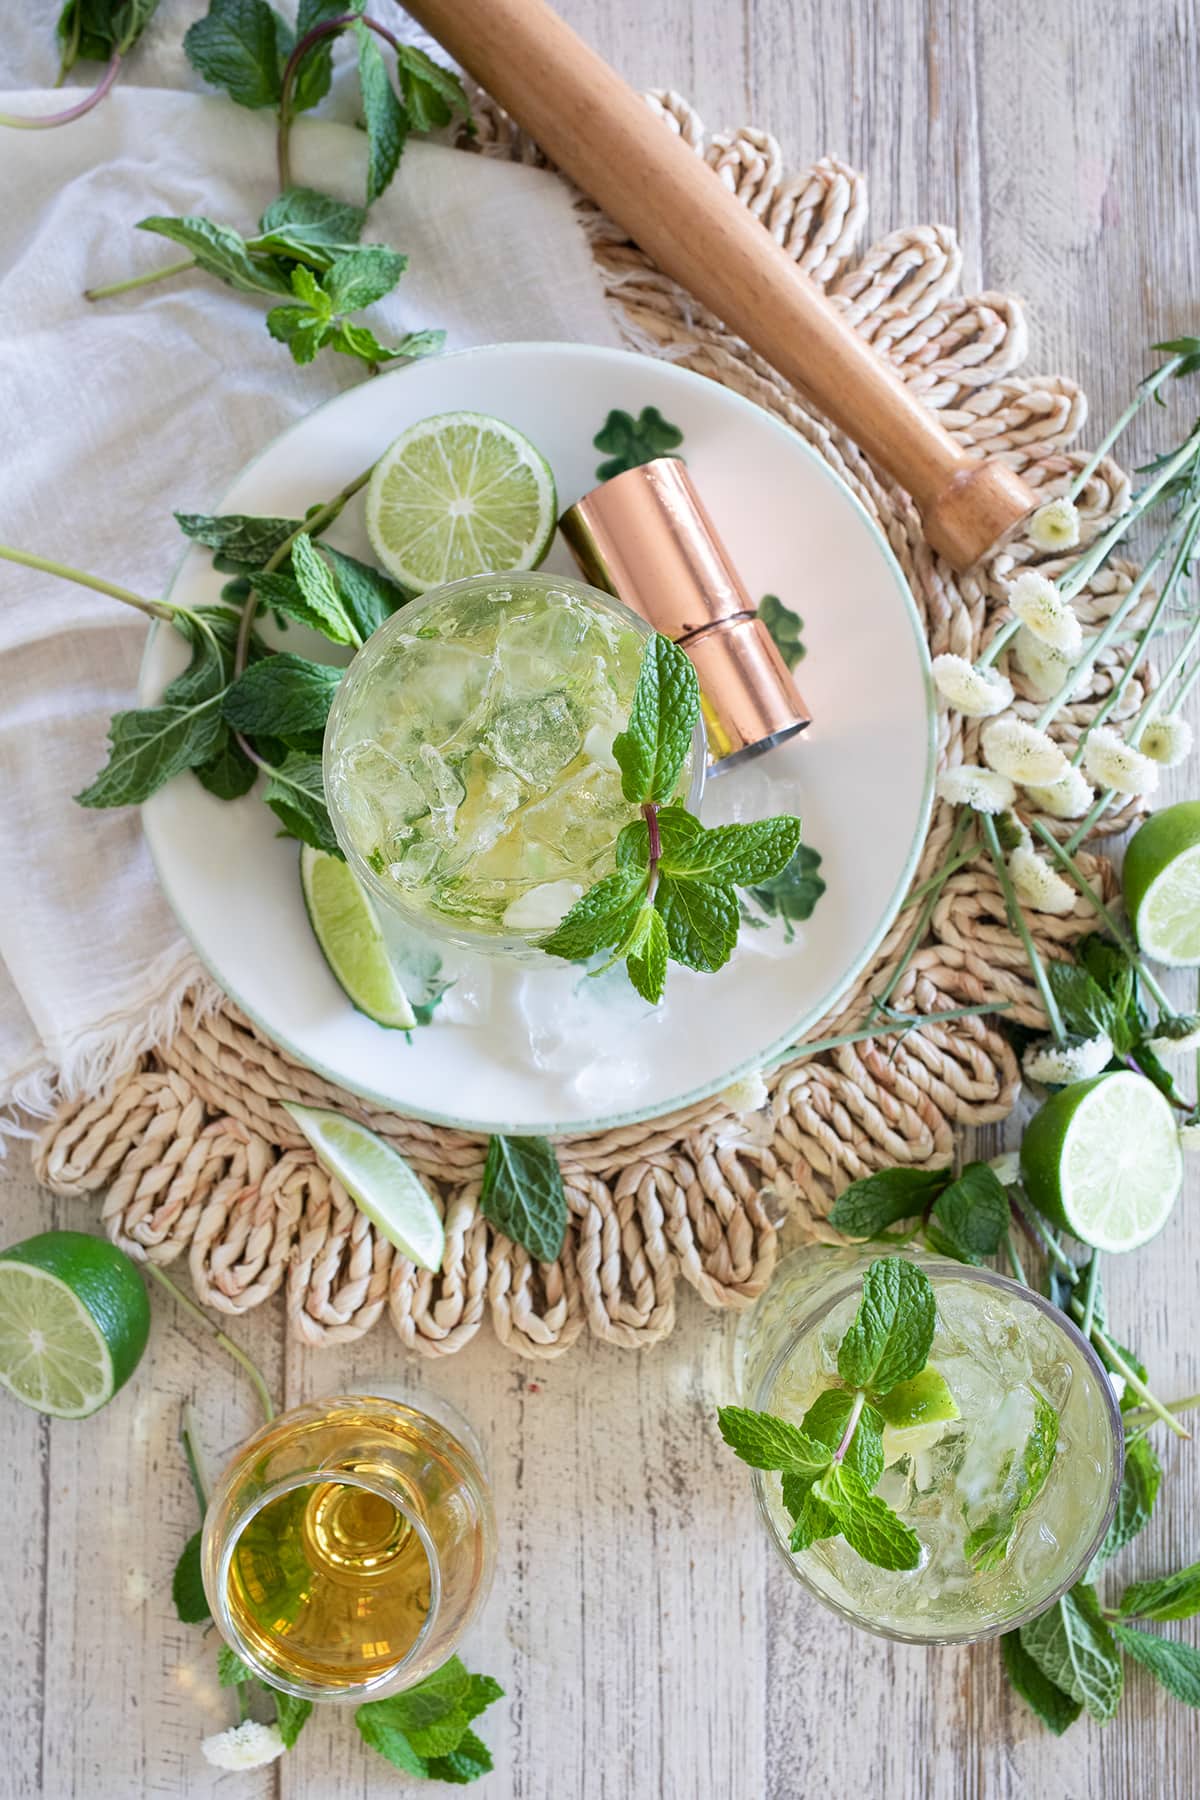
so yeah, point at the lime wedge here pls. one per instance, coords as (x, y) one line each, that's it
(925, 1400)
(1161, 879)
(1101, 1159)
(345, 926)
(74, 1319)
(378, 1180)
(460, 494)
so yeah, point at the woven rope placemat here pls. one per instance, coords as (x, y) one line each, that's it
(191, 1151)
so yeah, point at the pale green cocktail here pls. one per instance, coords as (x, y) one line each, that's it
(468, 756)
(1004, 1353)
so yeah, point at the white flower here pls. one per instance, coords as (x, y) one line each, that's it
(1038, 885)
(1188, 1038)
(746, 1095)
(1055, 526)
(970, 785)
(1021, 751)
(1043, 611)
(244, 1746)
(1067, 798)
(1189, 1137)
(1054, 1065)
(1112, 763)
(1167, 741)
(1117, 1384)
(979, 693)
(1006, 1168)
(1045, 669)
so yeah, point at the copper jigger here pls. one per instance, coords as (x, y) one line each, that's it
(647, 537)
(602, 134)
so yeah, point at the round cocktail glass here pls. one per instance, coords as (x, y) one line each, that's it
(348, 1546)
(468, 755)
(996, 1342)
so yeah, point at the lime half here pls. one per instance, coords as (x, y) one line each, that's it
(74, 1319)
(1161, 881)
(1101, 1159)
(345, 926)
(460, 494)
(378, 1180)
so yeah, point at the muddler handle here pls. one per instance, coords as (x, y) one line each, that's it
(596, 128)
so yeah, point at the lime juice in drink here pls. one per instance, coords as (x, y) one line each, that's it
(468, 756)
(1008, 1483)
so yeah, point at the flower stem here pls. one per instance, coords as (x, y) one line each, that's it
(155, 609)
(1017, 918)
(1085, 566)
(1142, 1415)
(189, 1437)
(138, 281)
(1014, 1261)
(227, 1344)
(947, 869)
(1145, 391)
(934, 885)
(1153, 702)
(1091, 1293)
(49, 120)
(860, 1400)
(1131, 1377)
(1124, 942)
(891, 1025)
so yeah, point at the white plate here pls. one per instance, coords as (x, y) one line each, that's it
(860, 777)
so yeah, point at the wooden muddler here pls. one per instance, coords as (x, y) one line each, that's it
(596, 128)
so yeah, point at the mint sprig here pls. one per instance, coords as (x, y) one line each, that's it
(830, 1464)
(673, 896)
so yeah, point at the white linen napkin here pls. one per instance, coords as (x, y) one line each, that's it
(113, 415)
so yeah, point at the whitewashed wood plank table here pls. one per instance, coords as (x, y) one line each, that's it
(649, 1645)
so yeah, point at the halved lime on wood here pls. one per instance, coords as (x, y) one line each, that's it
(379, 1180)
(345, 926)
(74, 1319)
(1161, 882)
(1101, 1159)
(460, 494)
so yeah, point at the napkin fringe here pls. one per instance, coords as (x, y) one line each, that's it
(96, 1060)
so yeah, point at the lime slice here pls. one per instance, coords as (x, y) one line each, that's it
(74, 1319)
(460, 494)
(345, 926)
(925, 1400)
(1101, 1159)
(1161, 879)
(378, 1180)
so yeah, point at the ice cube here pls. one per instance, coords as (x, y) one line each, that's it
(580, 820)
(377, 795)
(536, 738)
(492, 797)
(597, 746)
(432, 690)
(542, 907)
(549, 648)
(442, 789)
(413, 863)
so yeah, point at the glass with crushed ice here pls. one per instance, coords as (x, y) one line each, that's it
(996, 1343)
(468, 756)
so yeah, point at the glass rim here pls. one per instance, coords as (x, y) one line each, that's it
(464, 936)
(942, 1267)
(355, 1692)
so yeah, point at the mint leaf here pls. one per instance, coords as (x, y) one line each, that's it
(653, 748)
(701, 922)
(890, 1338)
(240, 46)
(295, 792)
(1174, 1666)
(315, 70)
(646, 955)
(222, 252)
(766, 1442)
(987, 1546)
(793, 893)
(368, 596)
(925, 1400)
(468, 1762)
(231, 1670)
(387, 122)
(522, 1194)
(482, 1691)
(1074, 1649)
(784, 626)
(827, 1419)
(1085, 1007)
(187, 1584)
(302, 216)
(239, 537)
(291, 1714)
(362, 276)
(1140, 1480)
(228, 773)
(735, 855)
(629, 442)
(1055, 1709)
(432, 95)
(867, 1523)
(93, 31)
(360, 341)
(600, 919)
(285, 697)
(1169, 1597)
(972, 1214)
(873, 1202)
(321, 594)
(149, 746)
(388, 1739)
(811, 1520)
